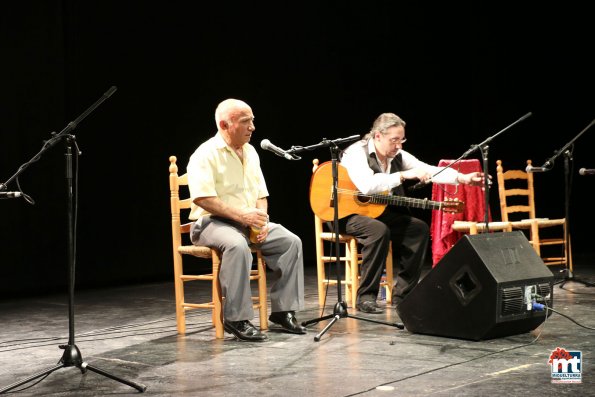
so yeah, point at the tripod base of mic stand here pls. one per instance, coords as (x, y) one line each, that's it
(570, 277)
(340, 311)
(72, 358)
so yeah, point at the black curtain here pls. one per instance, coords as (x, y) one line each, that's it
(456, 73)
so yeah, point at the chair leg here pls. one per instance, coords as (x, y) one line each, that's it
(217, 314)
(568, 250)
(473, 228)
(179, 292)
(321, 273)
(348, 284)
(262, 291)
(321, 283)
(389, 275)
(535, 238)
(352, 258)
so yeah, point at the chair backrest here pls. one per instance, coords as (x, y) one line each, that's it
(178, 205)
(517, 199)
(516, 193)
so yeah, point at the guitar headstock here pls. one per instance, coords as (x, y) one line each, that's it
(453, 206)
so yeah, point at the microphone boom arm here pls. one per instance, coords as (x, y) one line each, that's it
(481, 147)
(550, 162)
(325, 143)
(58, 136)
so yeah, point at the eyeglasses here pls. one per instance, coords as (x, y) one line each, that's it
(397, 141)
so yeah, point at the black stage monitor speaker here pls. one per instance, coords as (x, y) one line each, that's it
(482, 288)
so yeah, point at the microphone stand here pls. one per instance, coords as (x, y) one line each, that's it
(483, 148)
(567, 188)
(340, 309)
(72, 355)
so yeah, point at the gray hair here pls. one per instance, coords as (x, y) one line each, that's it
(383, 123)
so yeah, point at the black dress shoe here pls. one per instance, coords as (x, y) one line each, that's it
(244, 330)
(369, 307)
(287, 321)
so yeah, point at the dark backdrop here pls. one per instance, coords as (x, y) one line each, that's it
(456, 72)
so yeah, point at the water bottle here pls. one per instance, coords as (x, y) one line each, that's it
(382, 292)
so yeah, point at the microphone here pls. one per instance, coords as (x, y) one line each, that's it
(587, 171)
(110, 92)
(267, 145)
(420, 184)
(530, 168)
(10, 194)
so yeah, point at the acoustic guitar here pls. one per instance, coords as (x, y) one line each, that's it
(351, 201)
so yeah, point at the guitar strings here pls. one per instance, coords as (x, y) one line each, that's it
(386, 197)
(411, 201)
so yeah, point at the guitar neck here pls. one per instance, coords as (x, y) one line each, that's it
(406, 201)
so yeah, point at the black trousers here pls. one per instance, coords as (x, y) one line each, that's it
(410, 237)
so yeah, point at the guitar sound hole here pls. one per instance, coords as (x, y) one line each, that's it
(363, 199)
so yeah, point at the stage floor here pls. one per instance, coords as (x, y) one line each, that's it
(130, 332)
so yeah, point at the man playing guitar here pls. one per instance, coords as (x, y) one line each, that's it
(378, 164)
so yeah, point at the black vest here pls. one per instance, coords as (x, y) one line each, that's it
(396, 165)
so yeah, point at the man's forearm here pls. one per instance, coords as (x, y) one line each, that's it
(215, 206)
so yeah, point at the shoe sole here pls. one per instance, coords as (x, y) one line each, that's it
(279, 327)
(229, 331)
(379, 311)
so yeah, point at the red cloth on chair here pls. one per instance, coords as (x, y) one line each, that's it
(443, 237)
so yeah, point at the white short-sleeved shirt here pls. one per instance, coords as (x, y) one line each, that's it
(215, 170)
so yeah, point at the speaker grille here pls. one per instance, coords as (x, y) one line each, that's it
(512, 301)
(545, 292)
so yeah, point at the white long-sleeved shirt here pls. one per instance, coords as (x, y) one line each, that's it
(355, 160)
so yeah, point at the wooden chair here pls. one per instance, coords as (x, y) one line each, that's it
(517, 200)
(182, 246)
(349, 255)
